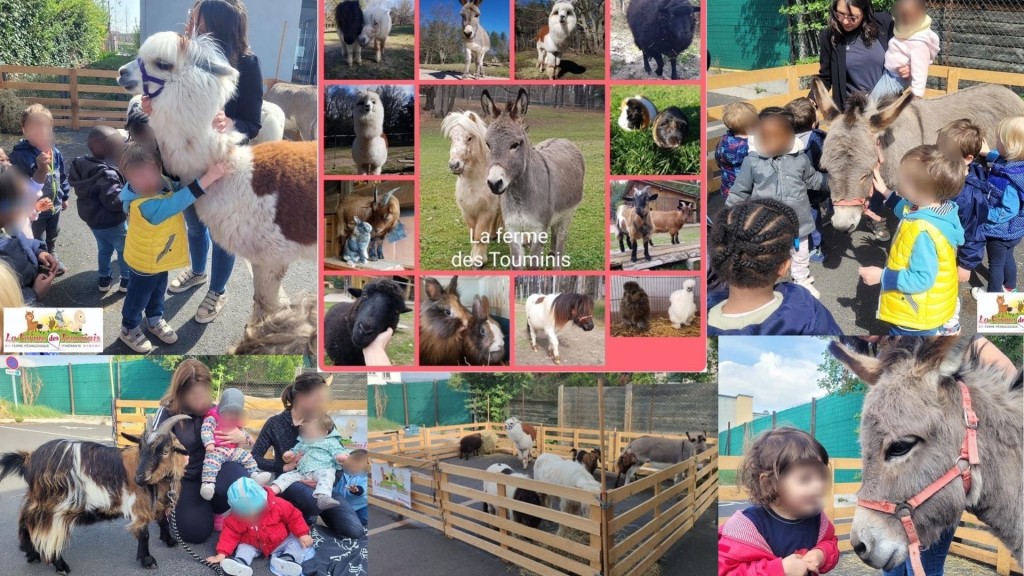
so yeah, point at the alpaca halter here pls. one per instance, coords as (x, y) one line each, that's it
(968, 453)
(147, 78)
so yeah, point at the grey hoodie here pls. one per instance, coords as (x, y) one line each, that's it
(785, 178)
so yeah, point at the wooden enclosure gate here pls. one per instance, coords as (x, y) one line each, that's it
(80, 108)
(449, 498)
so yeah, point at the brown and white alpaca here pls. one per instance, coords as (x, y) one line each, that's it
(467, 159)
(264, 209)
(370, 148)
(553, 38)
(913, 430)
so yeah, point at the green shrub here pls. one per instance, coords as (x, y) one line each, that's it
(10, 112)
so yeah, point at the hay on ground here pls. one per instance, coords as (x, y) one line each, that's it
(660, 327)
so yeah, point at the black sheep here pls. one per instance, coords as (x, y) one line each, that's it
(470, 445)
(662, 27)
(349, 327)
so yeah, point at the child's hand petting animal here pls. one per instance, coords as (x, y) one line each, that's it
(214, 173)
(216, 559)
(870, 275)
(794, 565)
(221, 123)
(879, 183)
(814, 559)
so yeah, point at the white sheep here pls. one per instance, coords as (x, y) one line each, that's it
(682, 305)
(520, 440)
(555, 470)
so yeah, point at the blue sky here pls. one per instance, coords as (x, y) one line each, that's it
(494, 14)
(778, 371)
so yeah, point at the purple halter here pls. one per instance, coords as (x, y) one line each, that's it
(147, 78)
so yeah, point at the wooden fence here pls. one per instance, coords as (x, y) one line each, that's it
(796, 78)
(70, 94)
(446, 497)
(973, 540)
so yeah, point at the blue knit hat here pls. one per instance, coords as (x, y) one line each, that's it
(246, 497)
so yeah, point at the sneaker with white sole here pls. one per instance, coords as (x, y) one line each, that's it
(187, 279)
(807, 285)
(104, 283)
(163, 331)
(880, 229)
(210, 307)
(207, 490)
(977, 291)
(285, 566)
(235, 567)
(123, 285)
(261, 478)
(136, 340)
(325, 502)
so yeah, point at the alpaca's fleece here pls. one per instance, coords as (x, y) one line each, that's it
(289, 331)
(272, 121)
(553, 39)
(370, 148)
(554, 470)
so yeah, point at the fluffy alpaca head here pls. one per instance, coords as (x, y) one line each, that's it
(369, 109)
(468, 135)
(178, 72)
(562, 16)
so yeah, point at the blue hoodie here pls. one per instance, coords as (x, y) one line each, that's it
(972, 209)
(923, 267)
(1006, 213)
(56, 187)
(800, 314)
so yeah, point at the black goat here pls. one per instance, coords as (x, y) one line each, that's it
(470, 445)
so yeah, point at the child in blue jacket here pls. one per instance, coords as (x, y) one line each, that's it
(1004, 227)
(805, 123)
(740, 119)
(352, 485)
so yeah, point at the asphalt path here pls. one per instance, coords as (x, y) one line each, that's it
(76, 248)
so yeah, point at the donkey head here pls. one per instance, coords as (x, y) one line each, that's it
(157, 449)
(507, 141)
(190, 78)
(854, 147)
(470, 14)
(912, 427)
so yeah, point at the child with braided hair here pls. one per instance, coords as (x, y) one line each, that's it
(750, 246)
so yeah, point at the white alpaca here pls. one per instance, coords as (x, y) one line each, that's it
(299, 105)
(553, 39)
(272, 122)
(264, 209)
(370, 149)
(682, 305)
(467, 159)
(554, 470)
(521, 441)
(376, 28)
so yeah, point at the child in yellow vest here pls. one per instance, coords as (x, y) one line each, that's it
(157, 241)
(919, 281)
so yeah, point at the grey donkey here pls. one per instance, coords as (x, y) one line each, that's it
(540, 186)
(912, 428)
(665, 451)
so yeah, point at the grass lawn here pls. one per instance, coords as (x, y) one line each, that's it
(634, 153)
(399, 58)
(574, 66)
(401, 347)
(21, 411)
(500, 70)
(381, 424)
(687, 235)
(442, 232)
(401, 160)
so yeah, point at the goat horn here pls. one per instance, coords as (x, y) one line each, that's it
(166, 425)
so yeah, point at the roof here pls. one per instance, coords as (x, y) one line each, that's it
(690, 189)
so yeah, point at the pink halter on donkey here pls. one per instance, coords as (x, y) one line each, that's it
(968, 453)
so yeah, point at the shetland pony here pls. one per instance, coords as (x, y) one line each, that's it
(551, 312)
(467, 160)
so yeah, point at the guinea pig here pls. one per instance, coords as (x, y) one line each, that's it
(636, 113)
(670, 128)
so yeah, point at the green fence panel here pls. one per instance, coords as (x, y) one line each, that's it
(452, 404)
(748, 35)
(92, 389)
(55, 391)
(425, 408)
(142, 380)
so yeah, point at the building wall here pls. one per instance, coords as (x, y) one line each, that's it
(268, 19)
(734, 410)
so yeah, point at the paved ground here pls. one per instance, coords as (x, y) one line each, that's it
(412, 544)
(101, 549)
(76, 247)
(852, 304)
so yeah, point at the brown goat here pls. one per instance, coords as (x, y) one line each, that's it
(671, 221)
(638, 221)
(381, 213)
(72, 482)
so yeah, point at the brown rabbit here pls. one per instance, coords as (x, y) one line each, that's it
(443, 322)
(484, 342)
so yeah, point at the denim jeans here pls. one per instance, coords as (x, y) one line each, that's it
(145, 294)
(46, 228)
(932, 558)
(1002, 266)
(897, 331)
(342, 520)
(364, 515)
(107, 241)
(198, 246)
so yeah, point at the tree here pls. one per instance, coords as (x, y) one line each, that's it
(403, 13)
(62, 33)
(226, 370)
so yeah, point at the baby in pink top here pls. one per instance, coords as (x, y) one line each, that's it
(913, 44)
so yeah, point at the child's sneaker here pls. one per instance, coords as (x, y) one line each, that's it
(123, 286)
(206, 490)
(325, 502)
(807, 284)
(285, 565)
(163, 331)
(950, 329)
(187, 279)
(261, 478)
(104, 283)
(817, 256)
(879, 228)
(235, 567)
(977, 291)
(210, 307)
(136, 340)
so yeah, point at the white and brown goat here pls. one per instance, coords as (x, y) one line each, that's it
(637, 220)
(71, 482)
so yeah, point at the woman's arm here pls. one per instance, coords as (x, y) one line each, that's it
(259, 451)
(246, 108)
(825, 50)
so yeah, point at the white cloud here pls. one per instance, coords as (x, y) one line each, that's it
(775, 382)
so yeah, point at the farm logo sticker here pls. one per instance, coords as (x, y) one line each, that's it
(53, 330)
(393, 484)
(1000, 313)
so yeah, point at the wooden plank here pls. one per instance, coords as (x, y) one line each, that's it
(558, 517)
(508, 525)
(679, 509)
(507, 541)
(505, 554)
(47, 86)
(101, 89)
(418, 515)
(620, 521)
(643, 557)
(41, 70)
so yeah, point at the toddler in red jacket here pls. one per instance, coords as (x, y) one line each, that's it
(785, 532)
(261, 524)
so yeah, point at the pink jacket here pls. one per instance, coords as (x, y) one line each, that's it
(742, 551)
(918, 51)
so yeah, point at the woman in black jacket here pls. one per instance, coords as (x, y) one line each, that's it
(303, 399)
(852, 49)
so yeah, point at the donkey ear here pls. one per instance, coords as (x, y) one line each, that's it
(518, 109)
(432, 288)
(944, 354)
(821, 98)
(488, 106)
(886, 116)
(866, 368)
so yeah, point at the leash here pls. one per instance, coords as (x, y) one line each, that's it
(173, 518)
(968, 453)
